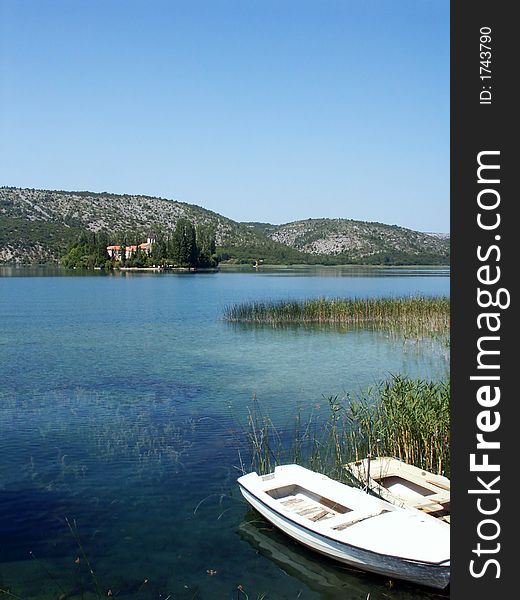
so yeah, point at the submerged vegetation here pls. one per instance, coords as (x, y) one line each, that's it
(404, 418)
(416, 316)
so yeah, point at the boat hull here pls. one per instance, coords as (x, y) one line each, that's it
(432, 575)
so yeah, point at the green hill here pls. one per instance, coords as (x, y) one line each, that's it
(37, 226)
(358, 241)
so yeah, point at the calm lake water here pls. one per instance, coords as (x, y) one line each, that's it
(119, 399)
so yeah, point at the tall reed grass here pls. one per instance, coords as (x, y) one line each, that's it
(410, 421)
(413, 316)
(404, 418)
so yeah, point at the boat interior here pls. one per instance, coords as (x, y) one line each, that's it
(315, 508)
(426, 492)
(431, 499)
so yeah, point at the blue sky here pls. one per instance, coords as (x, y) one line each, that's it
(272, 110)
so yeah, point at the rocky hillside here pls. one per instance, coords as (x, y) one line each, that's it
(356, 240)
(111, 212)
(39, 225)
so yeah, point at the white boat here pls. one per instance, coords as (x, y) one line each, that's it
(351, 526)
(404, 485)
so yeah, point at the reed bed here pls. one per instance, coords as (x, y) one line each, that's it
(413, 316)
(411, 421)
(404, 418)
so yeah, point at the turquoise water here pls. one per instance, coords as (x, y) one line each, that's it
(118, 408)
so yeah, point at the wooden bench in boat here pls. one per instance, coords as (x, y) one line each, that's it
(434, 503)
(324, 510)
(307, 508)
(310, 508)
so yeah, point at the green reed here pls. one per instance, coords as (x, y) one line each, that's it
(411, 421)
(405, 418)
(416, 316)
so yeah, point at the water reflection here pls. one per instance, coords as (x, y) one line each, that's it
(330, 579)
(278, 270)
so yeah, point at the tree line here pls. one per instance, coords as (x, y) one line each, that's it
(184, 246)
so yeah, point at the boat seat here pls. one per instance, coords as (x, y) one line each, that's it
(356, 518)
(430, 502)
(291, 501)
(322, 515)
(305, 507)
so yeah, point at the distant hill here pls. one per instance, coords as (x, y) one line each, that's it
(357, 240)
(38, 226)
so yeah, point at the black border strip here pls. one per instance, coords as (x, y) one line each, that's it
(482, 127)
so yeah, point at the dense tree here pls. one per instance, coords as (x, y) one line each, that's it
(206, 246)
(159, 249)
(139, 258)
(88, 252)
(184, 244)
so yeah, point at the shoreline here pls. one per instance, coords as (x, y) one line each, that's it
(169, 269)
(223, 267)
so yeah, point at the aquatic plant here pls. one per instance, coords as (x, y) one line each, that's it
(402, 417)
(411, 421)
(85, 431)
(414, 316)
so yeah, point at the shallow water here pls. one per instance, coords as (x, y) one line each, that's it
(118, 403)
